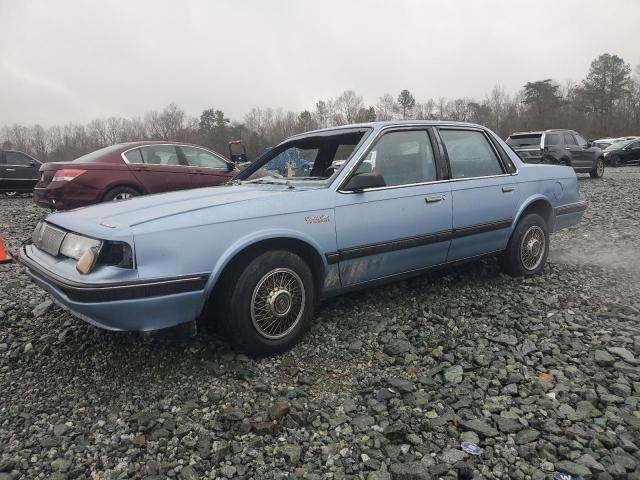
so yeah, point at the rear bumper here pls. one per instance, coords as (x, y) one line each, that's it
(65, 198)
(131, 306)
(569, 215)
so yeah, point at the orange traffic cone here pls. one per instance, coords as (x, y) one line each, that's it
(4, 256)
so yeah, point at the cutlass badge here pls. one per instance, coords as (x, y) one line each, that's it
(317, 219)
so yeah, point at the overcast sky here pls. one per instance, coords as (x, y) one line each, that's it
(67, 60)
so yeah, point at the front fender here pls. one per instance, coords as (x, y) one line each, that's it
(254, 238)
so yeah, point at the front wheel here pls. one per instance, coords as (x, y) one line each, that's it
(528, 247)
(598, 170)
(614, 161)
(268, 304)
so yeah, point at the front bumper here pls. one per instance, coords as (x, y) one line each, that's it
(131, 306)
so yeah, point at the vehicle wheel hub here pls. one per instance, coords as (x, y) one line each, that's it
(277, 303)
(122, 196)
(280, 303)
(532, 247)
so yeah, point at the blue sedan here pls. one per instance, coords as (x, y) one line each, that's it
(321, 213)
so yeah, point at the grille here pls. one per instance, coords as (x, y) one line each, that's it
(48, 238)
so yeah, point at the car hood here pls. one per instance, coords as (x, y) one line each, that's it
(101, 218)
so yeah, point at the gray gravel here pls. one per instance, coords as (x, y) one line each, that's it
(543, 374)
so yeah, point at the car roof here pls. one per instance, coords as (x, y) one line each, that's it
(140, 143)
(540, 132)
(383, 124)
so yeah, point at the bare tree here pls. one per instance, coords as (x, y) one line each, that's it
(349, 104)
(386, 107)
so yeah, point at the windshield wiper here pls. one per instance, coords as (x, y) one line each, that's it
(271, 181)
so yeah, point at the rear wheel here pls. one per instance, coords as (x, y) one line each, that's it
(528, 247)
(11, 194)
(120, 193)
(598, 170)
(267, 304)
(564, 162)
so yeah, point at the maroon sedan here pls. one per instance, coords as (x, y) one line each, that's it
(127, 170)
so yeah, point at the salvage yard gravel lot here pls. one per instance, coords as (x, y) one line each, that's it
(542, 374)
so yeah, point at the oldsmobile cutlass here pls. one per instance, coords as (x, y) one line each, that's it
(320, 214)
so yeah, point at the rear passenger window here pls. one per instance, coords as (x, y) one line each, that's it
(133, 156)
(552, 139)
(470, 154)
(160, 155)
(569, 140)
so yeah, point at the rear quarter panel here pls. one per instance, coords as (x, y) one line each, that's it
(557, 185)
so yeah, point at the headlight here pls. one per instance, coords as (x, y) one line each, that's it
(74, 246)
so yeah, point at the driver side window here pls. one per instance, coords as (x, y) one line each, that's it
(580, 141)
(402, 158)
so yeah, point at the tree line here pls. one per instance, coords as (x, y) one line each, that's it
(605, 103)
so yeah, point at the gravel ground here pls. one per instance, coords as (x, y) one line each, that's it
(543, 374)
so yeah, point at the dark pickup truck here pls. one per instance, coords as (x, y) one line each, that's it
(559, 147)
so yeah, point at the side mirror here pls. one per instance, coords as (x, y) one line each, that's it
(32, 163)
(362, 181)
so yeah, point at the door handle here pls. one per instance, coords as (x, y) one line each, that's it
(11, 169)
(508, 189)
(434, 198)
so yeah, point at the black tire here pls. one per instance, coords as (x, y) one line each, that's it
(120, 193)
(250, 281)
(511, 260)
(598, 169)
(614, 161)
(563, 162)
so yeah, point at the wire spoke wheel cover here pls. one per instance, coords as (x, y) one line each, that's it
(277, 303)
(532, 247)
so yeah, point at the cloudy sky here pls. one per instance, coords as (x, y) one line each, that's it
(72, 60)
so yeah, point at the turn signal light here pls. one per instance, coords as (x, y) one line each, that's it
(87, 261)
(67, 174)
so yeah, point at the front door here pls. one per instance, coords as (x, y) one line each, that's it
(159, 169)
(631, 152)
(400, 228)
(574, 152)
(586, 153)
(484, 195)
(206, 168)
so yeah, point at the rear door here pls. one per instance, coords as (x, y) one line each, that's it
(159, 168)
(20, 171)
(484, 194)
(206, 168)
